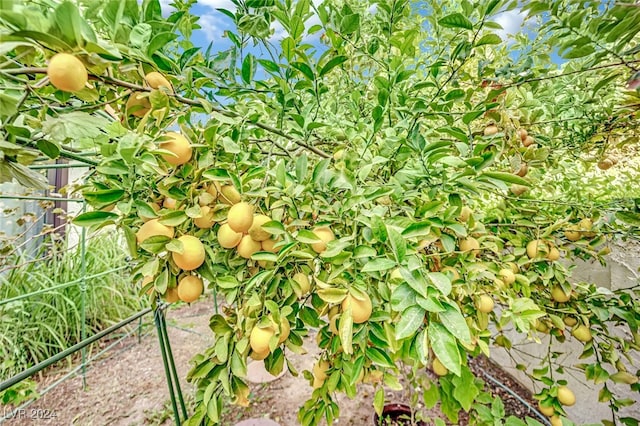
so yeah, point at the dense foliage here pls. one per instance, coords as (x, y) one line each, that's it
(454, 169)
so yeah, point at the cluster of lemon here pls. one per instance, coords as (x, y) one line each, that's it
(521, 135)
(244, 229)
(564, 396)
(192, 253)
(67, 73)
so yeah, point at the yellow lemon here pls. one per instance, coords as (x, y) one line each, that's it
(325, 234)
(438, 368)
(157, 80)
(566, 396)
(260, 337)
(227, 237)
(67, 73)
(192, 255)
(179, 146)
(247, 247)
(256, 232)
(360, 309)
(240, 217)
(190, 288)
(152, 228)
(206, 220)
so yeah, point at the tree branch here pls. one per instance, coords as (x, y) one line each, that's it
(550, 77)
(181, 99)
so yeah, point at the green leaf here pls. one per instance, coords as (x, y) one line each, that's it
(456, 20)
(455, 94)
(75, 127)
(465, 389)
(350, 23)
(95, 218)
(332, 294)
(155, 244)
(431, 395)
(378, 401)
(48, 148)
(579, 51)
(346, 331)
(630, 218)
(175, 246)
(288, 48)
(489, 39)
(419, 229)
(455, 323)
(269, 66)
(445, 347)
(69, 23)
(152, 10)
(159, 41)
(505, 177)
(410, 321)
(381, 264)
(26, 177)
(304, 69)
(379, 357)
(103, 196)
(333, 62)
(307, 237)
(441, 281)
(45, 38)
(398, 244)
(402, 297)
(140, 35)
(274, 227)
(248, 68)
(415, 280)
(220, 175)
(470, 116)
(173, 218)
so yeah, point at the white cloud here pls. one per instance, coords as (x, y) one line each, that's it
(279, 32)
(511, 23)
(213, 27)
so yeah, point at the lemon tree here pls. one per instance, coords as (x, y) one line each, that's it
(396, 175)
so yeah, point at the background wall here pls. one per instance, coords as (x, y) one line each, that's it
(620, 272)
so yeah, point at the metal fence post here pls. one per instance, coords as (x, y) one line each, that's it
(172, 366)
(83, 293)
(158, 318)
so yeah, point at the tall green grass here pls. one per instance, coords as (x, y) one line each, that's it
(35, 328)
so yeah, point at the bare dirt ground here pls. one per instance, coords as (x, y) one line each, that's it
(127, 386)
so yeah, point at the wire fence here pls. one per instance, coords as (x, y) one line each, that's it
(85, 341)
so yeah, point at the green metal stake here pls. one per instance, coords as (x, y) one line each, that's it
(157, 318)
(83, 292)
(140, 330)
(172, 365)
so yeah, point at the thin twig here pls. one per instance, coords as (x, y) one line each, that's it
(550, 77)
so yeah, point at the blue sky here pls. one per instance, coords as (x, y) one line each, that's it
(214, 23)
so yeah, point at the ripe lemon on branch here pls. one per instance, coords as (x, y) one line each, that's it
(240, 217)
(152, 228)
(325, 234)
(360, 309)
(67, 73)
(190, 288)
(179, 146)
(192, 255)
